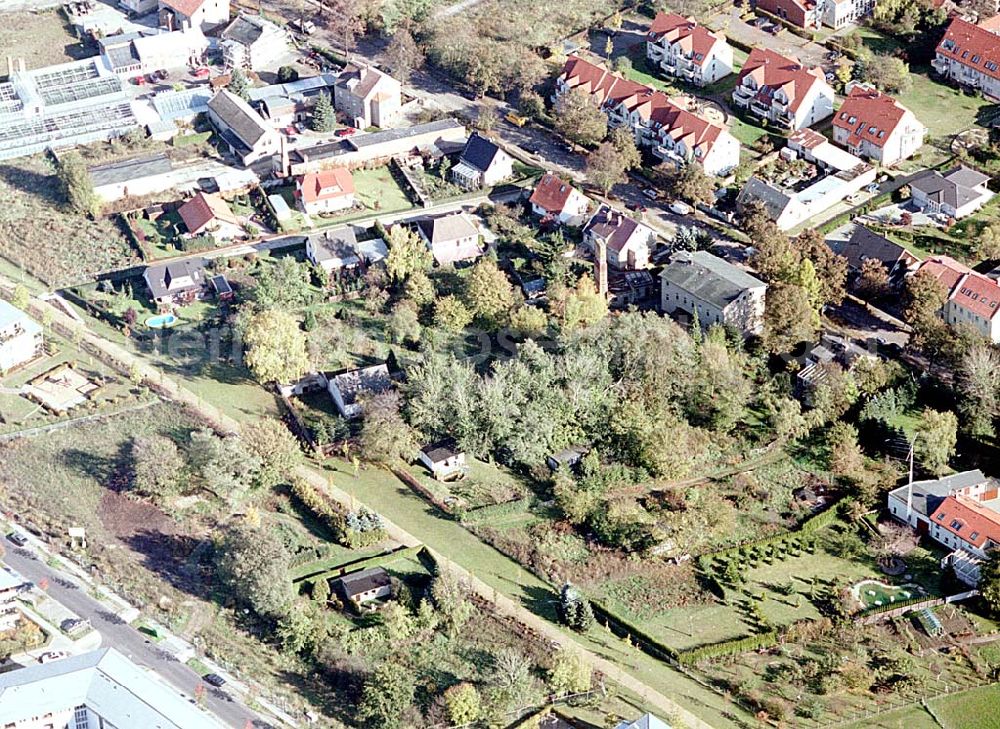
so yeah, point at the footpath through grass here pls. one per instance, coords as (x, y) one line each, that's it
(383, 492)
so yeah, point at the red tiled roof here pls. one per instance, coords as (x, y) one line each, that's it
(968, 519)
(326, 184)
(978, 294)
(186, 8)
(870, 115)
(551, 194)
(972, 46)
(202, 209)
(693, 38)
(947, 271)
(773, 71)
(652, 106)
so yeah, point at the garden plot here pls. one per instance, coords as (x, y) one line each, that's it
(873, 593)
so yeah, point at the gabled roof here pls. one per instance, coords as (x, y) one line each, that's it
(442, 450)
(551, 194)
(238, 117)
(865, 244)
(616, 229)
(773, 71)
(339, 244)
(202, 209)
(186, 8)
(170, 278)
(665, 117)
(708, 277)
(354, 383)
(945, 270)
(247, 30)
(978, 294)
(969, 520)
(480, 152)
(646, 721)
(693, 39)
(361, 79)
(120, 692)
(929, 493)
(360, 582)
(869, 115)
(447, 228)
(9, 314)
(327, 184)
(973, 46)
(956, 188)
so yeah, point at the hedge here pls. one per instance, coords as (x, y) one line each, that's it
(728, 648)
(643, 640)
(497, 511)
(876, 609)
(846, 217)
(334, 517)
(312, 571)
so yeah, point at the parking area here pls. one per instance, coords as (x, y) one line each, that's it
(811, 54)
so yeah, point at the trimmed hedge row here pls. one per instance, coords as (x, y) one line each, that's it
(323, 568)
(728, 648)
(497, 511)
(876, 609)
(333, 516)
(846, 217)
(643, 640)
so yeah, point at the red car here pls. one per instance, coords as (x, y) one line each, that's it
(345, 132)
(139, 80)
(201, 73)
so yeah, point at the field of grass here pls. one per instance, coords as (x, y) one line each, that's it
(943, 109)
(41, 38)
(976, 708)
(50, 243)
(378, 191)
(912, 717)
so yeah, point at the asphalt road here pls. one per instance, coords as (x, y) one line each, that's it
(121, 636)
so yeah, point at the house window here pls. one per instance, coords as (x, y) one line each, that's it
(974, 536)
(80, 717)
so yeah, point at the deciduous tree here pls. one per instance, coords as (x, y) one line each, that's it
(937, 435)
(692, 184)
(873, 280)
(570, 674)
(276, 346)
(157, 465)
(254, 563)
(464, 704)
(606, 167)
(385, 436)
(489, 293)
(624, 142)
(979, 385)
(451, 314)
(388, 692)
(578, 118)
(275, 446)
(76, 185)
(403, 55)
(407, 253)
(788, 317)
(925, 297)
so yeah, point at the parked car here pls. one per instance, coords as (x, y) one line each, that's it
(650, 193)
(17, 538)
(872, 188)
(139, 80)
(637, 207)
(345, 132)
(201, 73)
(532, 149)
(516, 119)
(214, 679)
(854, 198)
(680, 208)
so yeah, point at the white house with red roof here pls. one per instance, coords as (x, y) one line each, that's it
(326, 191)
(556, 199)
(628, 241)
(209, 214)
(973, 299)
(204, 14)
(674, 134)
(874, 125)
(682, 49)
(783, 91)
(969, 55)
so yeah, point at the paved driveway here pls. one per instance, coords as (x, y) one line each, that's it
(786, 42)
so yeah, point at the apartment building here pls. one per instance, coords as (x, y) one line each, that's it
(782, 90)
(680, 48)
(969, 55)
(875, 126)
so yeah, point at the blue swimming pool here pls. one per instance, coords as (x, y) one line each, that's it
(161, 321)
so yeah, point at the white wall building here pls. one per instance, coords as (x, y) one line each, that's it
(100, 689)
(875, 126)
(204, 14)
(717, 290)
(838, 14)
(969, 55)
(20, 337)
(253, 43)
(680, 48)
(782, 90)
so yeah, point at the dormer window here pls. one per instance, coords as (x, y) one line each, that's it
(974, 536)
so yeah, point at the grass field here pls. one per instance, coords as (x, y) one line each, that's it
(977, 708)
(944, 110)
(51, 243)
(378, 191)
(41, 38)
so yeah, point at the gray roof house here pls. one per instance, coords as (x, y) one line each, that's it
(244, 131)
(865, 244)
(333, 250)
(452, 237)
(365, 585)
(348, 388)
(177, 282)
(717, 290)
(481, 164)
(957, 193)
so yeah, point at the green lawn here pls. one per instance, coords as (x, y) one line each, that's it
(976, 708)
(378, 190)
(944, 110)
(913, 717)
(876, 41)
(384, 493)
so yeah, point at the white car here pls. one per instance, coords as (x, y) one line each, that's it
(50, 656)
(650, 193)
(680, 208)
